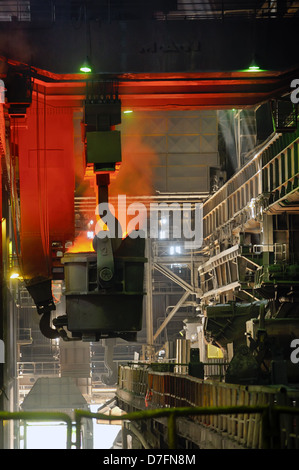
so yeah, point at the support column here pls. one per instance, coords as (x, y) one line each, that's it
(149, 300)
(267, 238)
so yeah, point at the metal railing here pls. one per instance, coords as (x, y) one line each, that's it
(168, 390)
(271, 173)
(38, 368)
(37, 416)
(220, 10)
(269, 420)
(27, 11)
(213, 369)
(32, 11)
(279, 251)
(24, 335)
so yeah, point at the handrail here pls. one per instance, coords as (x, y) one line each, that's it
(269, 418)
(41, 416)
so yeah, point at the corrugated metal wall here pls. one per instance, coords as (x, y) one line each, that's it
(184, 143)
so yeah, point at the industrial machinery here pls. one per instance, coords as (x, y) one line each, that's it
(249, 273)
(103, 283)
(261, 342)
(250, 282)
(104, 291)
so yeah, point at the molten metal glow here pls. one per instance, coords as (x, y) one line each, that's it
(82, 244)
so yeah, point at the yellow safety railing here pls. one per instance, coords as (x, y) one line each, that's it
(269, 421)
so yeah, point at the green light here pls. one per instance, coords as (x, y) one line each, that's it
(254, 68)
(86, 67)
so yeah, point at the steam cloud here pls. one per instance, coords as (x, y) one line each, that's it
(136, 174)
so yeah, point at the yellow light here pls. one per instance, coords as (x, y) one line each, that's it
(14, 275)
(128, 111)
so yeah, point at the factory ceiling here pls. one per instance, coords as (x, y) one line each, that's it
(162, 54)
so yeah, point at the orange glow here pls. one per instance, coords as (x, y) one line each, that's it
(100, 225)
(82, 244)
(134, 176)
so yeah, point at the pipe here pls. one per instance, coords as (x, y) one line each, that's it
(134, 430)
(111, 377)
(45, 327)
